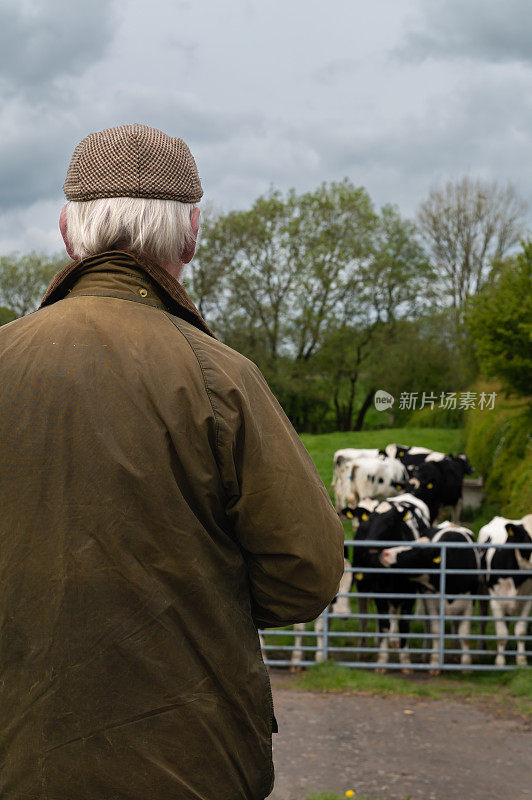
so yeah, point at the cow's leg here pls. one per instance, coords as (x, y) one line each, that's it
(384, 627)
(464, 631)
(404, 653)
(423, 610)
(341, 605)
(520, 631)
(363, 605)
(483, 607)
(456, 511)
(501, 630)
(297, 653)
(433, 609)
(395, 641)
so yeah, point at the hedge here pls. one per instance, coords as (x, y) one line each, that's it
(499, 445)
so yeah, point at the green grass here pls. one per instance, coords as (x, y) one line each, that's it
(323, 446)
(511, 690)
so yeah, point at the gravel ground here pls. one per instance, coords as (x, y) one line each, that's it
(395, 748)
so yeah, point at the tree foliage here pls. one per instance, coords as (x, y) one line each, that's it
(24, 278)
(500, 321)
(303, 283)
(334, 298)
(466, 226)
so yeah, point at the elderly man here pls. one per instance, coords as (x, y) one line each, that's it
(157, 508)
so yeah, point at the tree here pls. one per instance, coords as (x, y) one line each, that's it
(466, 226)
(24, 278)
(393, 283)
(306, 285)
(6, 315)
(500, 321)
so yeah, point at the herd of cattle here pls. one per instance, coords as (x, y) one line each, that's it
(395, 495)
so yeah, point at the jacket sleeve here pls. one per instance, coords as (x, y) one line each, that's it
(277, 506)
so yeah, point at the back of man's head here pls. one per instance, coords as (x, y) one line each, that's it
(131, 188)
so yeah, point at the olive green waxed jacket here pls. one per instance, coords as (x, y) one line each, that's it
(156, 508)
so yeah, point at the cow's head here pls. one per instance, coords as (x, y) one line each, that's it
(359, 516)
(468, 469)
(519, 535)
(401, 451)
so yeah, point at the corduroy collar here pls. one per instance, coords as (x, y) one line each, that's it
(172, 292)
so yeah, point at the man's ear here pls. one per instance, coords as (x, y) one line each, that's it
(190, 249)
(63, 229)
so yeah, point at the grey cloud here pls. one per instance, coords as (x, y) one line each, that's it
(488, 31)
(38, 140)
(482, 130)
(336, 69)
(50, 38)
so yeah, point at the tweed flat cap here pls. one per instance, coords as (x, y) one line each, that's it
(132, 161)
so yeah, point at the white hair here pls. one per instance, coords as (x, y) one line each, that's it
(158, 229)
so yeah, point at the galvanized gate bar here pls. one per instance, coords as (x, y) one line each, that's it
(354, 639)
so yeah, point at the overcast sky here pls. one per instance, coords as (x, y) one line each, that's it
(397, 95)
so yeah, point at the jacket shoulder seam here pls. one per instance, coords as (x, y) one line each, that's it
(203, 374)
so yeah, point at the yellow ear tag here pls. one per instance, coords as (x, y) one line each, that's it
(401, 452)
(397, 486)
(349, 514)
(406, 516)
(510, 531)
(430, 485)
(437, 559)
(359, 575)
(365, 516)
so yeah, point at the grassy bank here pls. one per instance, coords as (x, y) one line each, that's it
(508, 691)
(499, 444)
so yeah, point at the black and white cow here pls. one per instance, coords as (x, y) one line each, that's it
(382, 478)
(345, 493)
(400, 519)
(461, 585)
(509, 578)
(359, 473)
(439, 483)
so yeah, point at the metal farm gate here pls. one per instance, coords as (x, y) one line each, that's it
(353, 639)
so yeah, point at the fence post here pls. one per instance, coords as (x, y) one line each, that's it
(443, 565)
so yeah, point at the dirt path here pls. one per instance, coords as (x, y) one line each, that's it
(442, 751)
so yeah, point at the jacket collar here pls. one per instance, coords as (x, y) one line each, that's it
(169, 290)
